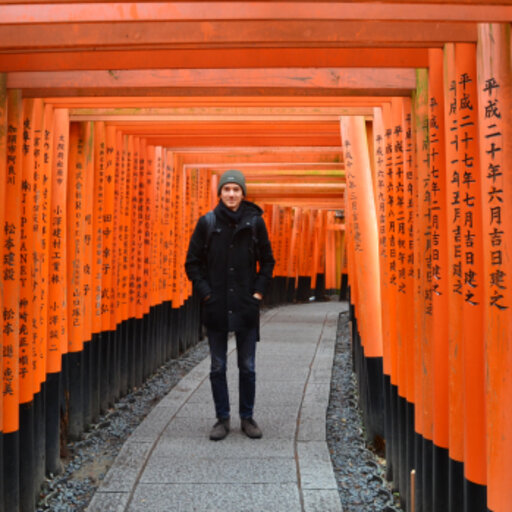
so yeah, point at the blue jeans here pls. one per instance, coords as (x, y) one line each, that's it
(246, 352)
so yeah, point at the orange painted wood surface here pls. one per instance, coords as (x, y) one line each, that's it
(472, 267)
(495, 100)
(75, 237)
(410, 200)
(40, 256)
(88, 199)
(217, 57)
(3, 170)
(100, 155)
(454, 277)
(11, 262)
(237, 11)
(423, 302)
(365, 248)
(27, 332)
(58, 312)
(108, 231)
(397, 222)
(440, 319)
(249, 33)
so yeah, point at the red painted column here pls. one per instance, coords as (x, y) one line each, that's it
(11, 289)
(440, 319)
(423, 309)
(97, 224)
(495, 106)
(454, 284)
(473, 279)
(364, 231)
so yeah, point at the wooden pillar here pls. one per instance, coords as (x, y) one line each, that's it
(495, 105)
(75, 298)
(365, 248)
(11, 289)
(88, 200)
(454, 286)
(472, 280)
(3, 169)
(410, 205)
(437, 160)
(423, 303)
(40, 290)
(27, 331)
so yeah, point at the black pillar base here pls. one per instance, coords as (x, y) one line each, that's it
(27, 459)
(427, 471)
(455, 486)
(11, 470)
(440, 479)
(475, 497)
(418, 466)
(74, 394)
(52, 399)
(95, 367)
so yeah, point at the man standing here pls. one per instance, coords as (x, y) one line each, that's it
(221, 262)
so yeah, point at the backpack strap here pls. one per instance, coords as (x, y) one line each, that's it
(211, 222)
(254, 220)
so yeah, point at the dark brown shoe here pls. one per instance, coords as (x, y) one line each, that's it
(251, 429)
(220, 430)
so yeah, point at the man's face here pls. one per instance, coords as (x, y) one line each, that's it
(231, 195)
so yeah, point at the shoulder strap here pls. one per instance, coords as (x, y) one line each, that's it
(210, 225)
(211, 221)
(254, 220)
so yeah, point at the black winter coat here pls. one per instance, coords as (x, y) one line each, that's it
(226, 271)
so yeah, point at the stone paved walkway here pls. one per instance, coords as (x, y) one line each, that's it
(168, 464)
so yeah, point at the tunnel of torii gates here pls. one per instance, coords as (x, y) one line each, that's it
(376, 137)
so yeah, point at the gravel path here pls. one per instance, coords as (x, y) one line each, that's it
(359, 471)
(89, 459)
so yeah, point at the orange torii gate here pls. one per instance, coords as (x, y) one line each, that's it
(163, 99)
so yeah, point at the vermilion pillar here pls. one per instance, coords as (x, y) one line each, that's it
(472, 279)
(423, 302)
(438, 237)
(495, 135)
(454, 285)
(364, 253)
(11, 288)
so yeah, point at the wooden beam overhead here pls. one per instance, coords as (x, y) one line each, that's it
(246, 140)
(255, 34)
(370, 81)
(195, 104)
(297, 189)
(80, 12)
(238, 156)
(217, 58)
(281, 171)
(221, 115)
(228, 134)
(320, 203)
(228, 127)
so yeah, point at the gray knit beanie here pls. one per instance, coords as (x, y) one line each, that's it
(232, 176)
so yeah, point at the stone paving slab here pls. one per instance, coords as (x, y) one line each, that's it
(129, 463)
(322, 501)
(315, 466)
(168, 464)
(235, 470)
(109, 501)
(216, 498)
(239, 446)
